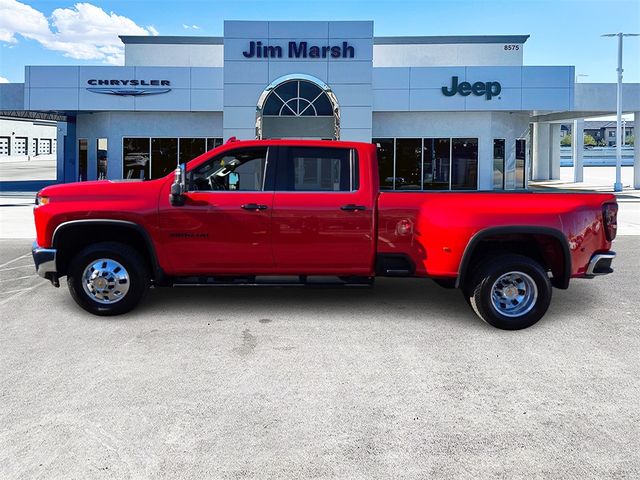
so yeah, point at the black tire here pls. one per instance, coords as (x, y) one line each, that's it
(447, 283)
(523, 277)
(127, 257)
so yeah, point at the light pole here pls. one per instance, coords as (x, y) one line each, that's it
(617, 187)
(624, 134)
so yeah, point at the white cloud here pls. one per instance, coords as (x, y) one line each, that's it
(85, 32)
(190, 27)
(4, 80)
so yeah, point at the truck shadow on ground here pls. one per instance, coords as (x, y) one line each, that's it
(410, 299)
(398, 296)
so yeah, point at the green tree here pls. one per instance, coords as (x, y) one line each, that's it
(589, 140)
(566, 140)
(630, 140)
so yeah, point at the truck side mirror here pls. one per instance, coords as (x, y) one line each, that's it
(178, 187)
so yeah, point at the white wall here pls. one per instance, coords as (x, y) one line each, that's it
(245, 79)
(415, 55)
(180, 55)
(66, 88)
(542, 88)
(601, 97)
(31, 130)
(434, 55)
(116, 125)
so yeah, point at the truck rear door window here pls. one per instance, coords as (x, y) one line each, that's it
(317, 169)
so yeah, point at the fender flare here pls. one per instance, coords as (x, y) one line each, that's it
(563, 283)
(158, 272)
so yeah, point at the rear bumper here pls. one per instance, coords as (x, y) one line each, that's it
(45, 262)
(600, 264)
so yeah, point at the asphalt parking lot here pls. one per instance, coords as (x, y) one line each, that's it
(398, 381)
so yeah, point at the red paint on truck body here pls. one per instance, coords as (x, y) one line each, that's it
(308, 233)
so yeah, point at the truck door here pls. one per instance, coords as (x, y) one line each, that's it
(224, 227)
(322, 219)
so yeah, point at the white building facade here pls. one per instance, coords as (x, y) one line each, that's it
(447, 113)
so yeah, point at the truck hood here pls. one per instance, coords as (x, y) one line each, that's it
(101, 190)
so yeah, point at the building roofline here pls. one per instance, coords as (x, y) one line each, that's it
(450, 39)
(422, 40)
(171, 39)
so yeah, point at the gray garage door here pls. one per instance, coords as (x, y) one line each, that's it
(20, 146)
(4, 145)
(44, 146)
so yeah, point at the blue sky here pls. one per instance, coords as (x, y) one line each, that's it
(563, 32)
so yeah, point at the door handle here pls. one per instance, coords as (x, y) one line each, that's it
(253, 206)
(352, 207)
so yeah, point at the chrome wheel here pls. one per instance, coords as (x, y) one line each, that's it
(514, 294)
(106, 281)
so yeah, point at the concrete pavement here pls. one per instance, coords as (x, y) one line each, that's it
(399, 381)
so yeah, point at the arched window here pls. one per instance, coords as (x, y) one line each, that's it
(298, 106)
(297, 98)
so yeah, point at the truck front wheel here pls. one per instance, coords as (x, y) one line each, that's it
(108, 278)
(510, 292)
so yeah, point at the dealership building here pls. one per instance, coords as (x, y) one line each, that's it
(447, 112)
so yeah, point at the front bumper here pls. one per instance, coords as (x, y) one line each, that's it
(600, 264)
(45, 261)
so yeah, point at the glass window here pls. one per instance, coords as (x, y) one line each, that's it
(437, 156)
(464, 164)
(101, 158)
(297, 98)
(237, 170)
(135, 157)
(311, 169)
(164, 156)
(213, 143)
(385, 162)
(408, 164)
(521, 148)
(498, 163)
(190, 148)
(82, 159)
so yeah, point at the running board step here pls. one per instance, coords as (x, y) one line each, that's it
(273, 281)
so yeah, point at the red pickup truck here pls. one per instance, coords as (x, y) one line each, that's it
(274, 211)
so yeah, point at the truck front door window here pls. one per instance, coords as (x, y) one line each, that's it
(238, 170)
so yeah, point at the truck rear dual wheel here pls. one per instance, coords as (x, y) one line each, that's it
(510, 292)
(108, 278)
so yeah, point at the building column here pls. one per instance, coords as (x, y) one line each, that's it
(61, 128)
(577, 150)
(636, 151)
(554, 151)
(541, 134)
(70, 161)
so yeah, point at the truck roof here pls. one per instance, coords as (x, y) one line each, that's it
(292, 142)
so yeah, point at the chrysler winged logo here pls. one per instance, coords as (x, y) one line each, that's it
(129, 87)
(123, 92)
